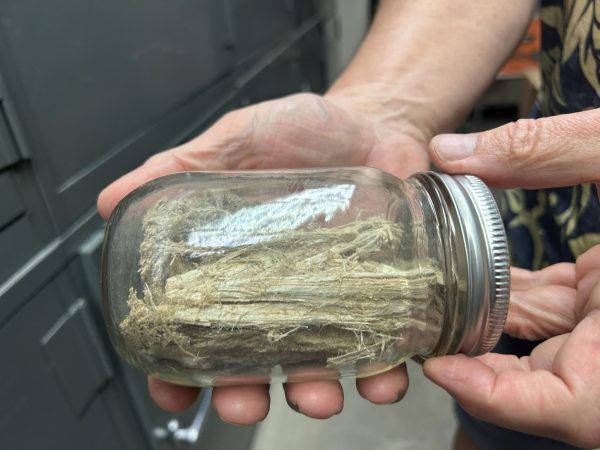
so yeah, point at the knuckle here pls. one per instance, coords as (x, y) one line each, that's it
(237, 126)
(519, 141)
(231, 118)
(157, 158)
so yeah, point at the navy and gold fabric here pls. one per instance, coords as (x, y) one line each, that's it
(548, 226)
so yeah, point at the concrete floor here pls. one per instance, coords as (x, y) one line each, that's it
(423, 420)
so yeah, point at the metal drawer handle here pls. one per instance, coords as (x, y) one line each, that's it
(187, 436)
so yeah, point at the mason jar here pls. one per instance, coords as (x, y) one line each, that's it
(235, 277)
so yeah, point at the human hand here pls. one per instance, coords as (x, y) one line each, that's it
(298, 131)
(550, 152)
(553, 392)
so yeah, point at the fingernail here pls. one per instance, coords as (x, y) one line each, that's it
(294, 406)
(400, 397)
(225, 420)
(453, 147)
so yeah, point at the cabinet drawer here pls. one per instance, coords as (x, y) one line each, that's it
(18, 242)
(9, 150)
(20, 235)
(11, 203)
(90, 80)
(255, 26)
(52, 392)
(297, 69)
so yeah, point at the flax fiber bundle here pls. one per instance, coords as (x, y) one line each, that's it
(329, 297)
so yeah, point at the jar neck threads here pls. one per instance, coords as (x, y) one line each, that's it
(477, 263)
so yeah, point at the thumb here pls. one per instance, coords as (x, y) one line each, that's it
(501, 389)
(550, 152)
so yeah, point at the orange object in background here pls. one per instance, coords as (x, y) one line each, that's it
(527, 55)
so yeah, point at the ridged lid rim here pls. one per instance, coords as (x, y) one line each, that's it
(498, 262)
(483, 263)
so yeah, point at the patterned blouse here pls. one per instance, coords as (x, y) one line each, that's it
(552, 225)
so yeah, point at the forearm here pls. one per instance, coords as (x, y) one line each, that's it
(424, 63)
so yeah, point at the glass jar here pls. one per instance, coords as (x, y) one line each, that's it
(216, 278)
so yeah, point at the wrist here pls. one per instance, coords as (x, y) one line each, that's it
(379, 103)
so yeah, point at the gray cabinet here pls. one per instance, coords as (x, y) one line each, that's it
(55, 391)
(255, 26)
(299, 66)
(88, 91)
(17, 235)
(25, 225)
(91, 78)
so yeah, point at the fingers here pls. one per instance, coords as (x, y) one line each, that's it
(323, 399)
(588, 282)
(541, 312)
(588, 294)
(588, 261)
(549, 152)
(553, 392)
(561, 274)
(242, 405)
(388, 387)
(161, 164)
(542, 303)
(505, 392)
(249, 404)
(317, 399)
(171, 397)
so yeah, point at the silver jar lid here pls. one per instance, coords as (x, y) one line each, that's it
(486, 261)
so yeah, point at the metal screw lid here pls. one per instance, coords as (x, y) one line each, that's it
(487, 261)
